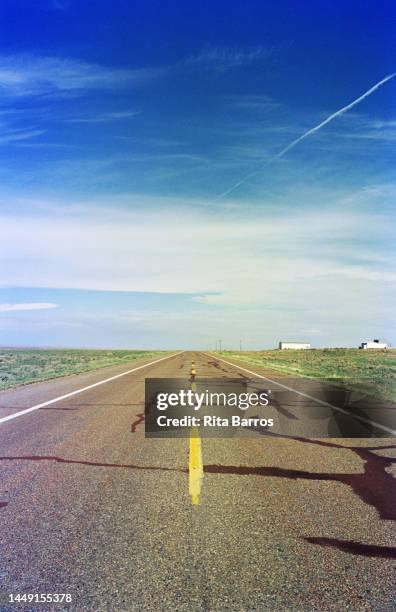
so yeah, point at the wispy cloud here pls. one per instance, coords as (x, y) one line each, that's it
(254, 102)
(105, 117)
(361, 127)
(380, 124)
(11, 137)
(224, 58)
(268, 272)
(27, 306)
(110, 242)
(28, 75)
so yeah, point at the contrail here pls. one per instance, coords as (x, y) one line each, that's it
(341, 111)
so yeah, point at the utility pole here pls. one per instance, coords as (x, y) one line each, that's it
(220, 345)
(240, 346)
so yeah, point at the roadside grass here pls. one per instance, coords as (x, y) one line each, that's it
(370, 371)
(24, 366)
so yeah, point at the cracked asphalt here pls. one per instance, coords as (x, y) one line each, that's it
(91, 507)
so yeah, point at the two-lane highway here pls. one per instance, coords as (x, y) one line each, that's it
(91, 507)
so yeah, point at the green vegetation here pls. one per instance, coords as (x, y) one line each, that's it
(372, 371)
(24, 366)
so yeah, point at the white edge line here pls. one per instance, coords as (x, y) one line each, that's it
(101, 382)
(315, 399)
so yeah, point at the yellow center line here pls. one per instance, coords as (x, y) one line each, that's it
(195, 465)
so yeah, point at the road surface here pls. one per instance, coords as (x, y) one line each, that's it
(91, 507)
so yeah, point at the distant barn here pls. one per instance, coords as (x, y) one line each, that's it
(375, 344)
(294, 345)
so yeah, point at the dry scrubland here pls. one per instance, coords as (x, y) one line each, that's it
(24, 366)
(373, 371)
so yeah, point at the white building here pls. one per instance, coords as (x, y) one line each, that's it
(294, 345)
(375, 344)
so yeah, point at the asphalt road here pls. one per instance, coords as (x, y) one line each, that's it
(91, 507)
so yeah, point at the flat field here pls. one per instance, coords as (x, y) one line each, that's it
(372, 371)
(24, 366)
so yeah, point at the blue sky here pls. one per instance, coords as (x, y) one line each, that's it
(122, 125)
